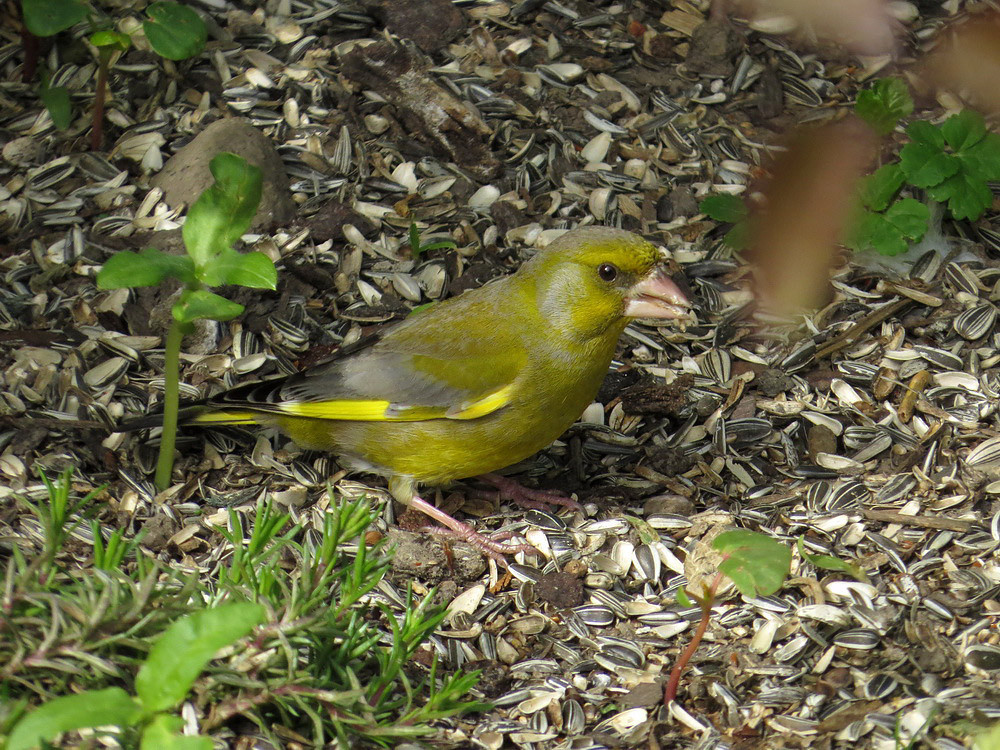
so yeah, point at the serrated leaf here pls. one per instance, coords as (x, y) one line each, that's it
(148, 267)
(181, 653)
(828, 562)
(223, 213)
(253, 269)
(878, 188)
(926, 165)
(174, 31)
(93, 708)
(967, 195)
(727, 208)
(910, 217)
(48, 17)
(983, 158)
(926, 134)
(756, 563)
(57, 102)
(200, 304)
(884, 104)
(963, 130)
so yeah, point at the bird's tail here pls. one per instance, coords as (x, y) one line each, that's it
(203, 413)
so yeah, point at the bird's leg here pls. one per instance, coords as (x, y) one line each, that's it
(525, 496)
(491, 546)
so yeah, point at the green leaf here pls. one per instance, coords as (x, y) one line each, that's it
(878, 189)
(683, 599)
(93, 708)
(164, 733)
(109, 38)
(828, 562)
(48, 17)
(148, 267)
(727, 208)
(983, 158)
(56, 101)
(963, 130)
(924, 133)
(245, 269)
(200, 304)
(927, 164)
(174, 31)
(182, 652)
(738, 238)
(967, 195)
(890, 233)
(756, 563)
(884, 104)
(223, 213)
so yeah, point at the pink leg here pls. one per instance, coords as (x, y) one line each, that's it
(491, 546)
(526, 497)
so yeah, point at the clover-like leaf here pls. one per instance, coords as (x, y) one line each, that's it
(200, 304)
(756, 563)
(884, 104)
(181, 653)
(92, 708)
(148, 267)
(48, 17)
(223, 213)
(174, 31)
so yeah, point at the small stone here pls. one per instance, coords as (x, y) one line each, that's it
(186, 174)
(714, 46)
(643, 695)
(24, 151)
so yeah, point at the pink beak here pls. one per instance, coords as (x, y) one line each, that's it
(657, 296)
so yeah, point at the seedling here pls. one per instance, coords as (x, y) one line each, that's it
(220, 216)
(417, 249)
(174, 31)
(758, 566)
(166, 677)
(953, 163)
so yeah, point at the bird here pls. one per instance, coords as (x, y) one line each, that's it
(471, 384)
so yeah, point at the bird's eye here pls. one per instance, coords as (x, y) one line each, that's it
(607, 272)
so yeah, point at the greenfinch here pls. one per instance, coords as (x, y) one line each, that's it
(473, 383)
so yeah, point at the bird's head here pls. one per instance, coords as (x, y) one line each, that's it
(595, 279)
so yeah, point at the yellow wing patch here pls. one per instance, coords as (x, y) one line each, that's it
(225, 418)
(386, 411)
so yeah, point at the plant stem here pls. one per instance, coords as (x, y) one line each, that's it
(97, 121)
(706, 613)
(30, 44)
(171, 402)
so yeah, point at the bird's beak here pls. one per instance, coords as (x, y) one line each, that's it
(657, 296)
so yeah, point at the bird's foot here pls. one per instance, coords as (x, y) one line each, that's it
(527, 497)
(494, 546)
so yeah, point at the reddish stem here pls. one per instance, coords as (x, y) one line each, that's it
(31, 45)
(97, 122)
(706, 613)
